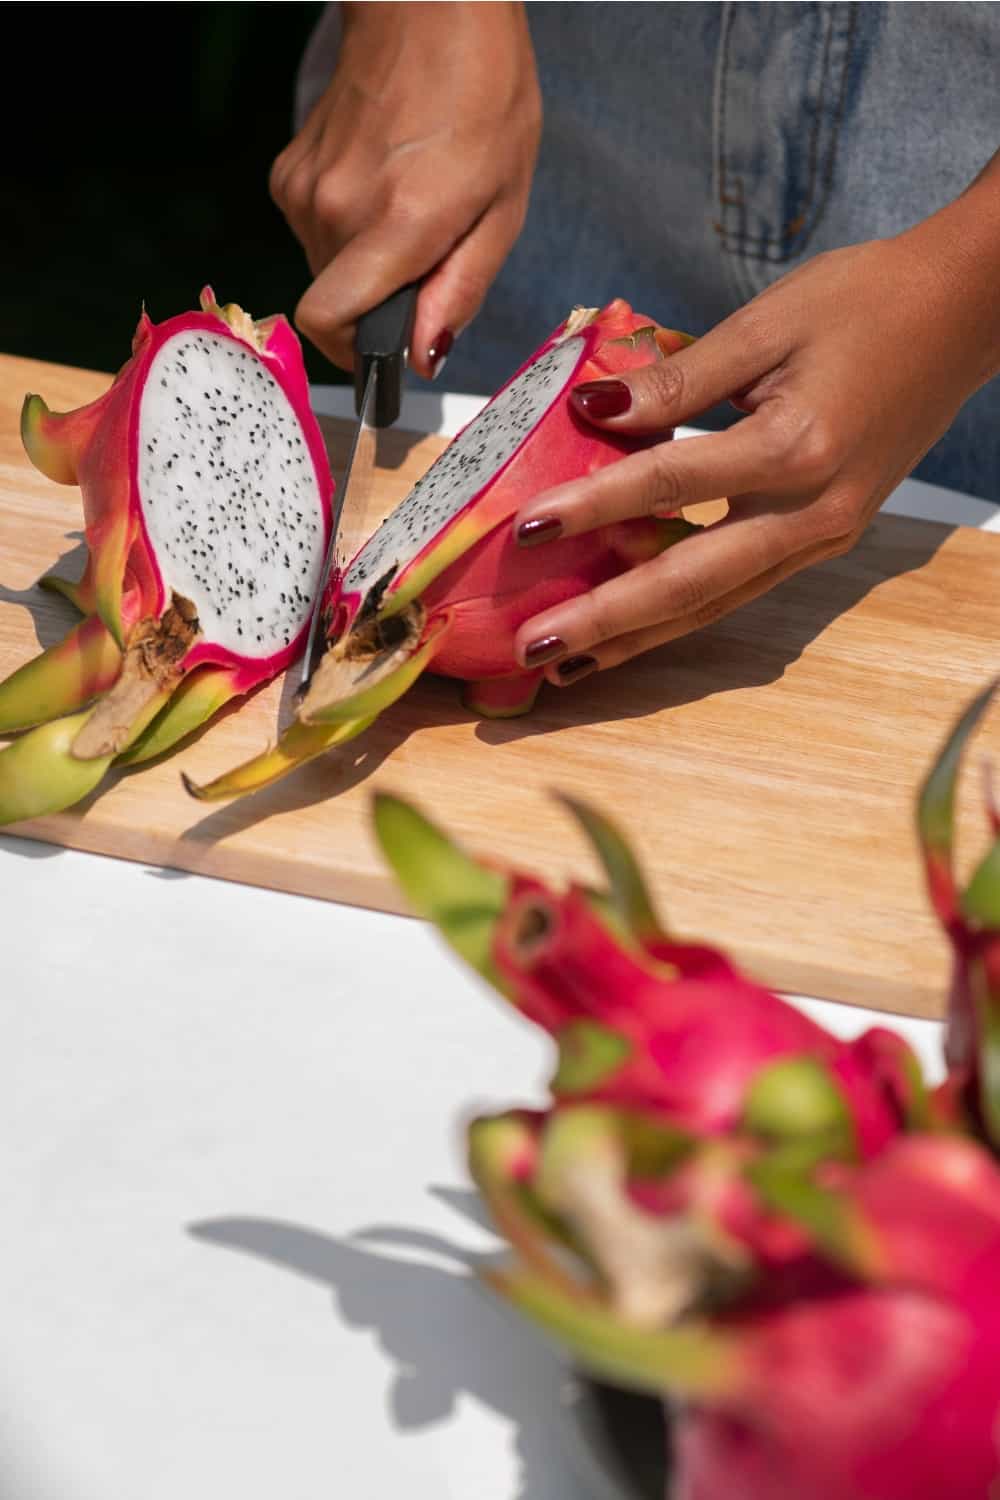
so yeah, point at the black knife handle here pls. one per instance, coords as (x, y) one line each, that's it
(383, 339)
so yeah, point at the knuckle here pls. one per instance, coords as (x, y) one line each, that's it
(663, 384)
(329, 197)
(776, 432)
(838, 523)
(661, 486)
(277, 179)
(314, 319)
(294, 204)
(752, 328)
(815, 454)
(688, 594)
(603, 618)
(297, 189)
(802, 441)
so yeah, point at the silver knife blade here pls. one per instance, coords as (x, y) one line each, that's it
(356, 487)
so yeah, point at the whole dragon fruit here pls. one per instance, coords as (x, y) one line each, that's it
(783, 1234)
(206, 493)
(441, 584)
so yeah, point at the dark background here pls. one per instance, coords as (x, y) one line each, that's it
(136, 149)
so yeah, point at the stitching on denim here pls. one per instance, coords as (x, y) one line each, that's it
(814, 146)
(724, 189)
(771, 248)
(775, 248)
(850, 38)
(765, 243)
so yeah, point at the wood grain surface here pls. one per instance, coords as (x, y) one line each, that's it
(765, 768)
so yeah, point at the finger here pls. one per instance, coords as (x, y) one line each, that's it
(454, 291)
(727, 359)
(682, 583)
(653, 482)
(636, 642)
(285, 163)
(377, 261)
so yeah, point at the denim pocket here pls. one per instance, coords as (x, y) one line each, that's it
(783, 75)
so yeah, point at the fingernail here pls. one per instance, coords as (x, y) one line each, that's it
(544, 650)
(544, 529)
(602, 398)
(439, 351)
(575, 667)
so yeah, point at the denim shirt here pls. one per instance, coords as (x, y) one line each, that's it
(693, 153)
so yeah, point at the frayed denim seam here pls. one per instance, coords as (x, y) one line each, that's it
(775, 248)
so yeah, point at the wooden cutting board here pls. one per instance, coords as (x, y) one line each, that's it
(765, 768)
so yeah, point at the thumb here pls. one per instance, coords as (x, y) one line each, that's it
(730, 357)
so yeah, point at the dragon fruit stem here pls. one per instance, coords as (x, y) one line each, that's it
(463, 898)
(630, 898)
(193, 703)
(690, 1360)
(392, 671)
(300, 743)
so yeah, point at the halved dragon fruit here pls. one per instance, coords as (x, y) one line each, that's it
(722, 1204)
(207, 498)
(441, 585)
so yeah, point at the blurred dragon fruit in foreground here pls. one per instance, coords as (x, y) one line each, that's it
(788, 1236)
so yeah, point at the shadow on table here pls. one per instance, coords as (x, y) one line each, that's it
(446, 1335)
(750, 648)
(51, 615)
(316, 781)
(29, 848)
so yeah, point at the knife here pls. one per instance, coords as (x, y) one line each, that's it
(381, 344)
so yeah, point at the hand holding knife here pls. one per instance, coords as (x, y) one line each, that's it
(381, 342)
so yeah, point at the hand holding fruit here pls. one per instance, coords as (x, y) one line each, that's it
(848, 368)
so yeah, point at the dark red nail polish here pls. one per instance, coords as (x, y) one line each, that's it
(575, 667)
(544, 529)
(439, 351)
(544, 650)
(602, 398)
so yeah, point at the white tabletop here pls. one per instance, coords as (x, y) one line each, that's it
(237, 1226)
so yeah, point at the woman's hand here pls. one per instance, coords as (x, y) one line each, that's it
(416, 162)
(849, 369)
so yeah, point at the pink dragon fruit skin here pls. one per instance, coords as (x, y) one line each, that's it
(886, 1385)
(689, 1216)
(442, 585)
(698, 1031)
(207, 501)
